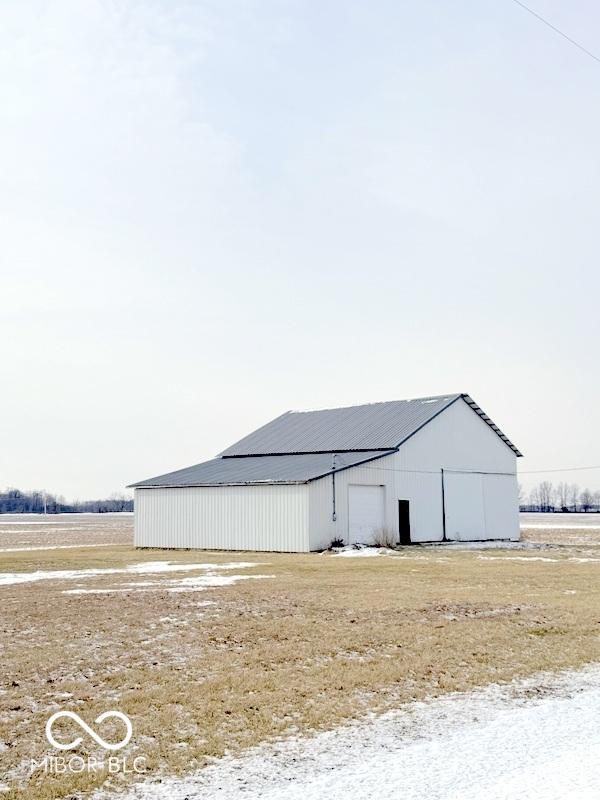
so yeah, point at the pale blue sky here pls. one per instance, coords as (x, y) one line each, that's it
(215, 212)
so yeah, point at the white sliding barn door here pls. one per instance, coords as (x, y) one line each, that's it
(501, 497)
(365, 513)
(464, 504)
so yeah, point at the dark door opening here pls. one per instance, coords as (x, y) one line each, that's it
(404, 521)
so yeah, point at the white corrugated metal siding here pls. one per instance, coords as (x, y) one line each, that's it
(223, 518)
(500, 495)
(465, 509)
(457, 439)
(480, 507)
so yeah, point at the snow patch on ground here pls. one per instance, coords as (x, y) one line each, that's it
(352, 551)
(12, 521)
(143, 568)
(535, 738)
(59, 519)
(55, 547)
(496, 544)
(365, 551)
(146, 567)
(568, 560)
(197, 584)
(203, 581)
(566, 527)
(114, 590)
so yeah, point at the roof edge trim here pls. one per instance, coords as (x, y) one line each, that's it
(481, 413)
(356, 464)
(217, 485)
(312, 452)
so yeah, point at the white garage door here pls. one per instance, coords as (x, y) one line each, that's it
(463, 499)
(365, 513)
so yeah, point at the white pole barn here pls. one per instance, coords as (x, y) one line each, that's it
(432, 469)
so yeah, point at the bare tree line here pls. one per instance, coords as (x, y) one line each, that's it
(546, 496)
(14, 501)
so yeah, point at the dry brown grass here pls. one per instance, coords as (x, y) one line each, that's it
(322, 641)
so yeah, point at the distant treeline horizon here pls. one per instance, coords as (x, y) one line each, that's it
(15, 501)
(545, 497)
(565, 497)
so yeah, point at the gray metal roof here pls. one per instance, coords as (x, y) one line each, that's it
(376, 426)
(298, 446)
(260, 469)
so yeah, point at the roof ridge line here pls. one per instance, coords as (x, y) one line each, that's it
(374, 403)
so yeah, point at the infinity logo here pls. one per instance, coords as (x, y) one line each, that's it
(98, 739)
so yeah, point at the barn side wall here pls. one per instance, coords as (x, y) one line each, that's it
(457, 439)
(273, 518)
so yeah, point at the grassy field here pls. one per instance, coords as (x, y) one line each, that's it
(207, 660)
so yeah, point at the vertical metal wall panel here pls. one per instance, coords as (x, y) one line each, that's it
(465, 507)
(457, 439)
(271, 518)
(501, 496)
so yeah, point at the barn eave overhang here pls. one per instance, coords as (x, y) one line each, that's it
(224, 483)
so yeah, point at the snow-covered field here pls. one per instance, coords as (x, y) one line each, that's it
(535, 739)
(31, 531)
(559, 521)
(561, 529)
(30, 548)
